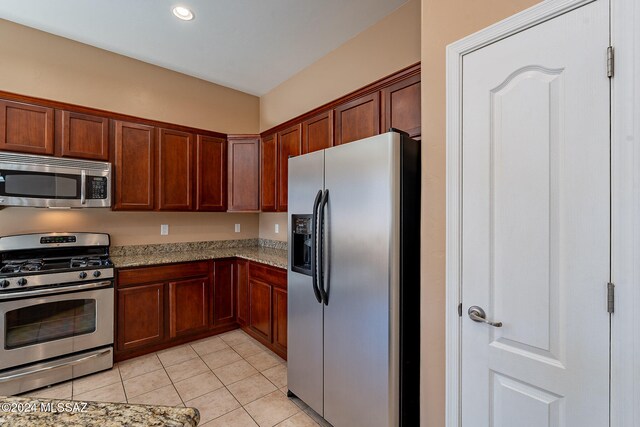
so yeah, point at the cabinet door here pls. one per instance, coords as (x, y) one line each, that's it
(211, 174)
(188, 306)
(134, 160)
(280, 318)
(317, 132)
(288, 146)
(268, 173)
(242, 286)
(26, 128)
(260, 308)
(401, 106)
(175, 170)
(140, 316)
(223, 293)
(357, 119)
(83, 136)
(244, 176)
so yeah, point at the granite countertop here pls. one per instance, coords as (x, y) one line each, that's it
(36, 412)
(266, 252)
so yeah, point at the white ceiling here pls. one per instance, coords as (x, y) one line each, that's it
(249, 45)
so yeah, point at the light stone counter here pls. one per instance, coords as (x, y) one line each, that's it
(38, 412)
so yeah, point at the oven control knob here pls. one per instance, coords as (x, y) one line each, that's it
(96, 273)
(83, 275)
(4, 283)
(22, 282)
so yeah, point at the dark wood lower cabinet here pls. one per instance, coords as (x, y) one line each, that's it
(140, 316)
(242, 288)
(224, 302)
(260, 308)
(162, 306)
(188, 306)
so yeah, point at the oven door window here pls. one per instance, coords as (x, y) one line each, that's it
(40, 185)
(51, 321)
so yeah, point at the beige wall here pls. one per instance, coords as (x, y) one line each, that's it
(46, 66)
(43, 65)
(443, 22)
(385, 47)
(267, 226)
(131, 228)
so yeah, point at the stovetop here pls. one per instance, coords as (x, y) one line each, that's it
(53, 259)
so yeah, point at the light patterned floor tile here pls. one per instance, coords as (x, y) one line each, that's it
(175, 355)
(317, 418)
(110, 393)
(271, 409)
(187, 369)
(236, 371)
(94, 381)
(60, 391)
(262, 361)
(138, 366)
(248, 348)
(221, 358)
(250, 389)
(277, 375)
(164, 396)
(209, 345)
(146, 382)
(197, 386)
(213, 405)
(235, 337)
(298, 420)
(236, 418)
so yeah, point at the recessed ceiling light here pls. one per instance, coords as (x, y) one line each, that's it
(183, 13)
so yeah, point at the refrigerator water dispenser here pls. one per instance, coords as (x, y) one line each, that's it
(301, 239)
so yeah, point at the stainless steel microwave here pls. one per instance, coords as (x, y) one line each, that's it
(52, 182)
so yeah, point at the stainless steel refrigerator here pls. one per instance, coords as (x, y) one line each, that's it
(354, 281)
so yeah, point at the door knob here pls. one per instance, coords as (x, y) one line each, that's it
(477, 314)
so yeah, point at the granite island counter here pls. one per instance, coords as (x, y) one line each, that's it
(37, 412)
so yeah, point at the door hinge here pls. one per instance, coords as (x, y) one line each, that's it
(460, 310)
(610, 61)
(611, 294)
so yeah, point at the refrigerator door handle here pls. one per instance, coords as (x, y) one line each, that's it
(314, 251)
(324, 294)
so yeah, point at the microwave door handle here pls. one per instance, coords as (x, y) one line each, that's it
(83, 184)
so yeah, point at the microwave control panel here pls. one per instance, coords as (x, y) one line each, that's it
(96, 187)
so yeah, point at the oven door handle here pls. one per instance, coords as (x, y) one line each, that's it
(59, 365)
(49, 291)
(83, 185)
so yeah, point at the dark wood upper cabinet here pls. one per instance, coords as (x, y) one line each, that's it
(268, 173)
(82, 135)
(188, 306)
(242, 288)
(134, 164)
(224, 301)
(175, 170)
(357, 119)
(289, 141)
(211, 174)
(140, 316)
(243, 174)
(26, 128)
(317, 132)
(401, 106)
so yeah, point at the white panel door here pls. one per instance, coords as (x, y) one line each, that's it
(535, 226)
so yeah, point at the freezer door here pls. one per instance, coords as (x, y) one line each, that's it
(361, 318)
(305, 329)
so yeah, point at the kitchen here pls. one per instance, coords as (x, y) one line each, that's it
(196, 239)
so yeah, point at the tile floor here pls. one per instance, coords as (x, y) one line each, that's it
(233, 380)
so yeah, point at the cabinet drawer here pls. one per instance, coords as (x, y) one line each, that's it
(272, 275)
(161, 273)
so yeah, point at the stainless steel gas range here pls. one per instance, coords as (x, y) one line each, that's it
(56, 308)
